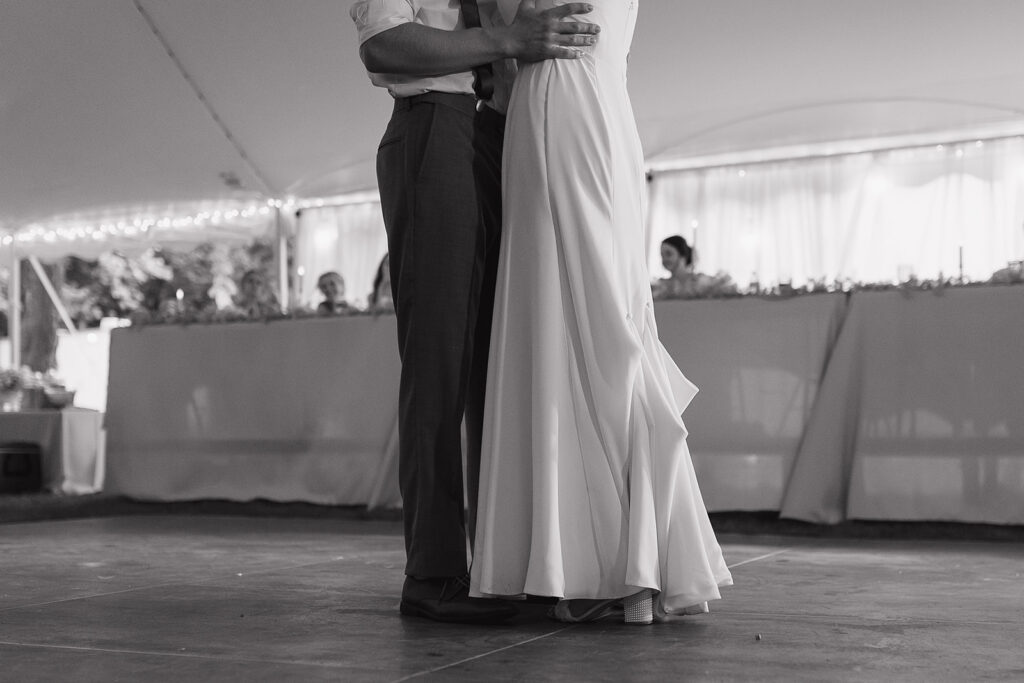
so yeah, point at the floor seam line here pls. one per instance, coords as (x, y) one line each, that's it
(156, 653)
(479, 656)
(759, 558)
(901, 621)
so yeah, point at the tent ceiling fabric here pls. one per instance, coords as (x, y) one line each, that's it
(95, 115)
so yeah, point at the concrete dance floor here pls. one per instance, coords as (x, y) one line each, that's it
(222, 598)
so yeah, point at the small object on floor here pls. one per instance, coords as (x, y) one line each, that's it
(757, 637)
(639, 607)
(448, 600)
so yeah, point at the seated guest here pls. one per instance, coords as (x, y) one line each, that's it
(332, 285)
(255, 298)
(677, 259)
(380, 297)
(682, 282)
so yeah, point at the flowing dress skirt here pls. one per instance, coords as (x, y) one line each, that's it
(587, 489)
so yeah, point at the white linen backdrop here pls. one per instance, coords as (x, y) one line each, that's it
(347, 238)
(870, 217)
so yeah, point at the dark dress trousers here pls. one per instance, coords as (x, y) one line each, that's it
(439, 174)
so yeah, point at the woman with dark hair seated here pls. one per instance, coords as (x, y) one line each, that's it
(683, 282)
(677, 259)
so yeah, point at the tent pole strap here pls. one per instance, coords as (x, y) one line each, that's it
(52, 293)
(282, 261)
(14, 307)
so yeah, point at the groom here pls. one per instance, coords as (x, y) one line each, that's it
(439, 174)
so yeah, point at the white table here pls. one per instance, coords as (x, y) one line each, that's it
(824, 407)
(921, 412)
(757, 364)
(307, 410)
(302, 410)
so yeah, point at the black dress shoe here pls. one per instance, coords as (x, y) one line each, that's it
(448, 600)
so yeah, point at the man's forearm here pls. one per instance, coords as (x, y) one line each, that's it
(413, 49)
(417, 50)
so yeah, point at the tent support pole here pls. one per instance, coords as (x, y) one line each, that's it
(14, 307)
(52, 293)
(282, 261)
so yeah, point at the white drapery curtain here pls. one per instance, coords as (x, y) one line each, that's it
(349, 239)
(870, 217)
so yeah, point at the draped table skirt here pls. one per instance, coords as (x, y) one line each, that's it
(878, 405)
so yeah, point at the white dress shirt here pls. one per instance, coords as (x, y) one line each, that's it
(376, 16)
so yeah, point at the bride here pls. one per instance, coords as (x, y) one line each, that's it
(587, 490)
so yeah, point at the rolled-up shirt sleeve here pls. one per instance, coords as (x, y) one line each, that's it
(376, 16)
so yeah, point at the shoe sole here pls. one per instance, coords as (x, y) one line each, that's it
(410, 610)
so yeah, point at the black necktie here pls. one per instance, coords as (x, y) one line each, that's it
(483, 75)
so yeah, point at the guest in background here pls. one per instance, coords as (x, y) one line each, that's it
(380, 297)
(683, 282)
(255, 298)
(332, 285)
(677, 259)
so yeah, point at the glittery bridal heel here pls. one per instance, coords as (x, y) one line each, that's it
(639, 607)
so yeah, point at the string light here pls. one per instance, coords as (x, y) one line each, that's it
(141, 224)
(367, 197)
(144, 223)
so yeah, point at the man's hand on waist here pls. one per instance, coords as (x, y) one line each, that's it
(415, 50)
(536, 35)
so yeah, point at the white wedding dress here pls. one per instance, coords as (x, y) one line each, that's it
(587, 489)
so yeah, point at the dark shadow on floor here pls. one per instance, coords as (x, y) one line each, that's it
(48, 506)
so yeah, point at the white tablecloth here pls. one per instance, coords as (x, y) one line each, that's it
(307, 410)
(886, 407)
(71, 442)
(921, 412)
(82, 358)
(300, 410)
(757, 364)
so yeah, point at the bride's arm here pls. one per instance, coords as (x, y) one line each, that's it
(416, 50)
